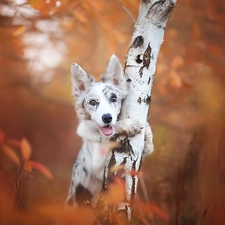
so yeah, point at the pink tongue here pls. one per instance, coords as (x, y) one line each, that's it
(107, 130)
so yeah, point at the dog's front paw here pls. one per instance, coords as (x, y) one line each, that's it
(129, 127)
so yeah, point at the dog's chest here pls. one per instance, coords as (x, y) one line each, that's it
(95, 155)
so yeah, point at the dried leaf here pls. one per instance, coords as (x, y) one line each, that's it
(175, 80)
(80, 15)
(41, 168)
(115, 168)
(11, 155)
(134, 173)
(43, 6)
(141, 217)
(25, 149)
(147, 208)
(35, 3)
(19, 30)
(95, 4)
(196, 31)
(13, 142)
(120, 37)
(159, 212)
(116, 192)
(177, 62)
(69, 215)
(27, 166)
(2, 136)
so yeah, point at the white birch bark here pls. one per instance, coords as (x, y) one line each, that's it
(139, 69)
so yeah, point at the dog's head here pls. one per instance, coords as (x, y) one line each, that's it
(100, 101)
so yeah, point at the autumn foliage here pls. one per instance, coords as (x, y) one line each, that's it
(184, 179)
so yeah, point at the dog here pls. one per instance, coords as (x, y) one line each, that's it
(98, 106)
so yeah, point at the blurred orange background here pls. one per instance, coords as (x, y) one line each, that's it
(185, 176)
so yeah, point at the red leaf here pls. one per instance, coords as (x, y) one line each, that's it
(25, 149)
(13, 142)
(41, 168)
(11, 155)
(146, 208)
(27, 166)
(159, 212)
(2, 136)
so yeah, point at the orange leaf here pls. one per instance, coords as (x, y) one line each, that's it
(177, 62)
(19, 30)
(2, 136)
(25, 149)
(96, 4)
(159, 212)
(41, 168)
(27, 166)
(142, 218)
(115, 168)
(68, 215)
(116, 192)
(11, 155)
(13, 142)
(80, 15)
(146, 208)
(133, 173)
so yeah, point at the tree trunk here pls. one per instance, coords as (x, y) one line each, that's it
(124, 162)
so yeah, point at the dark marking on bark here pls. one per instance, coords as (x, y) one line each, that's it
(147, 56)
(138, 42)
(160, 11)
(125, 146)
(146, 59)
(149, 80)
(129, 66)
(139, 100)
(129, 80)
(106, 178)
(148, 99)
(133, 183)
(140, 164)
(138, 59)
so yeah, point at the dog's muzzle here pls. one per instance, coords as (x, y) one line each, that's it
(108, 129)
(107, 118)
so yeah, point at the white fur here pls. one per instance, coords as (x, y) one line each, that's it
(95, 100)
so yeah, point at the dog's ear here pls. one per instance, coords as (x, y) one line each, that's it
(80, 79)
(114, 72)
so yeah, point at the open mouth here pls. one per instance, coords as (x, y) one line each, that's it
(107, 130)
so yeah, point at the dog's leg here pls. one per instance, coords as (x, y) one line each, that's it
(149, 147)
(71, 201)
(132, 127)
(129, 127)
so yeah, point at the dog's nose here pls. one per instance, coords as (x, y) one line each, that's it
(107, 118)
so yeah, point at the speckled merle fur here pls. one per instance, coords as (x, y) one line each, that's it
(98, 105)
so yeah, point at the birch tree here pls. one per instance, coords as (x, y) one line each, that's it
(124, 162)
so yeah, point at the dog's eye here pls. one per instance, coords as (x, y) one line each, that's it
(92, 102)
(113, 98)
